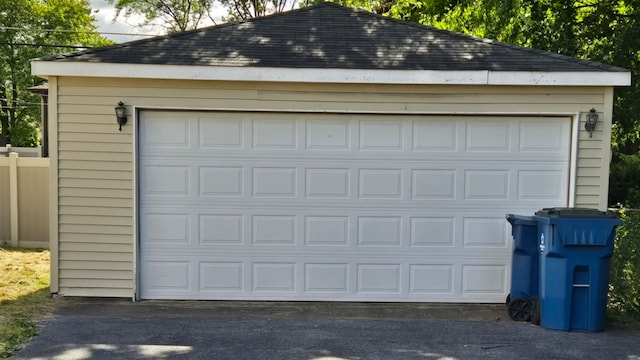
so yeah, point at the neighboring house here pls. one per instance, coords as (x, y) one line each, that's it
(321, 154)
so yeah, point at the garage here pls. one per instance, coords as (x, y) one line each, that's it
(320, 154)
(281, 206)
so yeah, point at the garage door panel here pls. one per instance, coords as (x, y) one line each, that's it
(435, 136)
(546, 136)
(170, 131)
(328, 134)
(488, 136)
(327, 183)
(541, 185)
(432, 231)
(340, 229)
(221, 276)
(228, 134)
(381, 135)
(431, 279)
(354, 184)
(327, 230)
(170, 228)
(222, 230)
(274, 277)
(221, 181)
(484, 279)
(224, 133)
(339, 207)
(380, 184)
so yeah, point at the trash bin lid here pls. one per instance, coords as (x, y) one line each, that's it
(560, 212)
(521, 219)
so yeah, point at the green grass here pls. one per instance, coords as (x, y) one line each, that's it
(24, 296)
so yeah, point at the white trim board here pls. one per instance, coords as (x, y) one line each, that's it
(45, 68)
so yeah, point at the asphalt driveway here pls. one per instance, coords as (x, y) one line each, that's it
(116, 329)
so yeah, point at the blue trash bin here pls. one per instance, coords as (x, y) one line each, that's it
(524, 267)
(575, 250)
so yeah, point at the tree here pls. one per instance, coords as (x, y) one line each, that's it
(247, 9)
(34, 28)
(173, 15)
(182, 15)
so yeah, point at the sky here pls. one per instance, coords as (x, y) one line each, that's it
(104, 13)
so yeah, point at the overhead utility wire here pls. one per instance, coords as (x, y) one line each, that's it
(74, 31)
(21, 102)
(47, 45)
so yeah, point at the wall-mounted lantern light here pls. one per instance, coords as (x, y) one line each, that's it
(592, 120)
(121, 115)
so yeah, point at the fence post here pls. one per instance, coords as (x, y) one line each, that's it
(13, 197)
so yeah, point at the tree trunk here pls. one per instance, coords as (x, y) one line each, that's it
(4, 117)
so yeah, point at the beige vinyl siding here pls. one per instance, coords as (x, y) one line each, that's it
(33, 201)
(31, 196)
(5, 210)
(95, 173)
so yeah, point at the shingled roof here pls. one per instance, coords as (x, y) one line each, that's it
(329, 36)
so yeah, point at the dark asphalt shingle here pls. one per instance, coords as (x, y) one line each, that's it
(331, 36)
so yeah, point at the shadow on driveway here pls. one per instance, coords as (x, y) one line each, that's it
(116, 329)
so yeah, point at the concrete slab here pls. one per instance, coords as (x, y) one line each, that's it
(104, 329)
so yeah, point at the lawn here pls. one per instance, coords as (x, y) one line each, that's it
(24, 296)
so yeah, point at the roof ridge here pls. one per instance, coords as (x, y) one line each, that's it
(234, 44)
(559, 56)
(187, 32)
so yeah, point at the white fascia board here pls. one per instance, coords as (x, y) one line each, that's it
(578, 78)
(44, 68)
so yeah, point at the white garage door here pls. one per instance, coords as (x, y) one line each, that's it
(339, 207)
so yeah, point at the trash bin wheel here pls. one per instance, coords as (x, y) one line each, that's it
(535, 310)
(519, 309)
(508, 300)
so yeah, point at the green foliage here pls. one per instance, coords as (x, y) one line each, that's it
(624, 281)
(173, 15)
(624, 187)
(377, 6)
(34, 28)
(181, 15)
(246, 9)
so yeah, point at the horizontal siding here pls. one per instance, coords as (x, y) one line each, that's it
(88, 239)
(88, 290)
(95, 229)
(95, 174)
(87, 254)
(92, 190)
(97, 265)
(101, 211)
(97, 183)
(96, 220)
(94, 201)
(97, 282)
(95, 165)
(98, 247)
(588, 181)
(96, 161)
(71, 160)
(95, 274)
